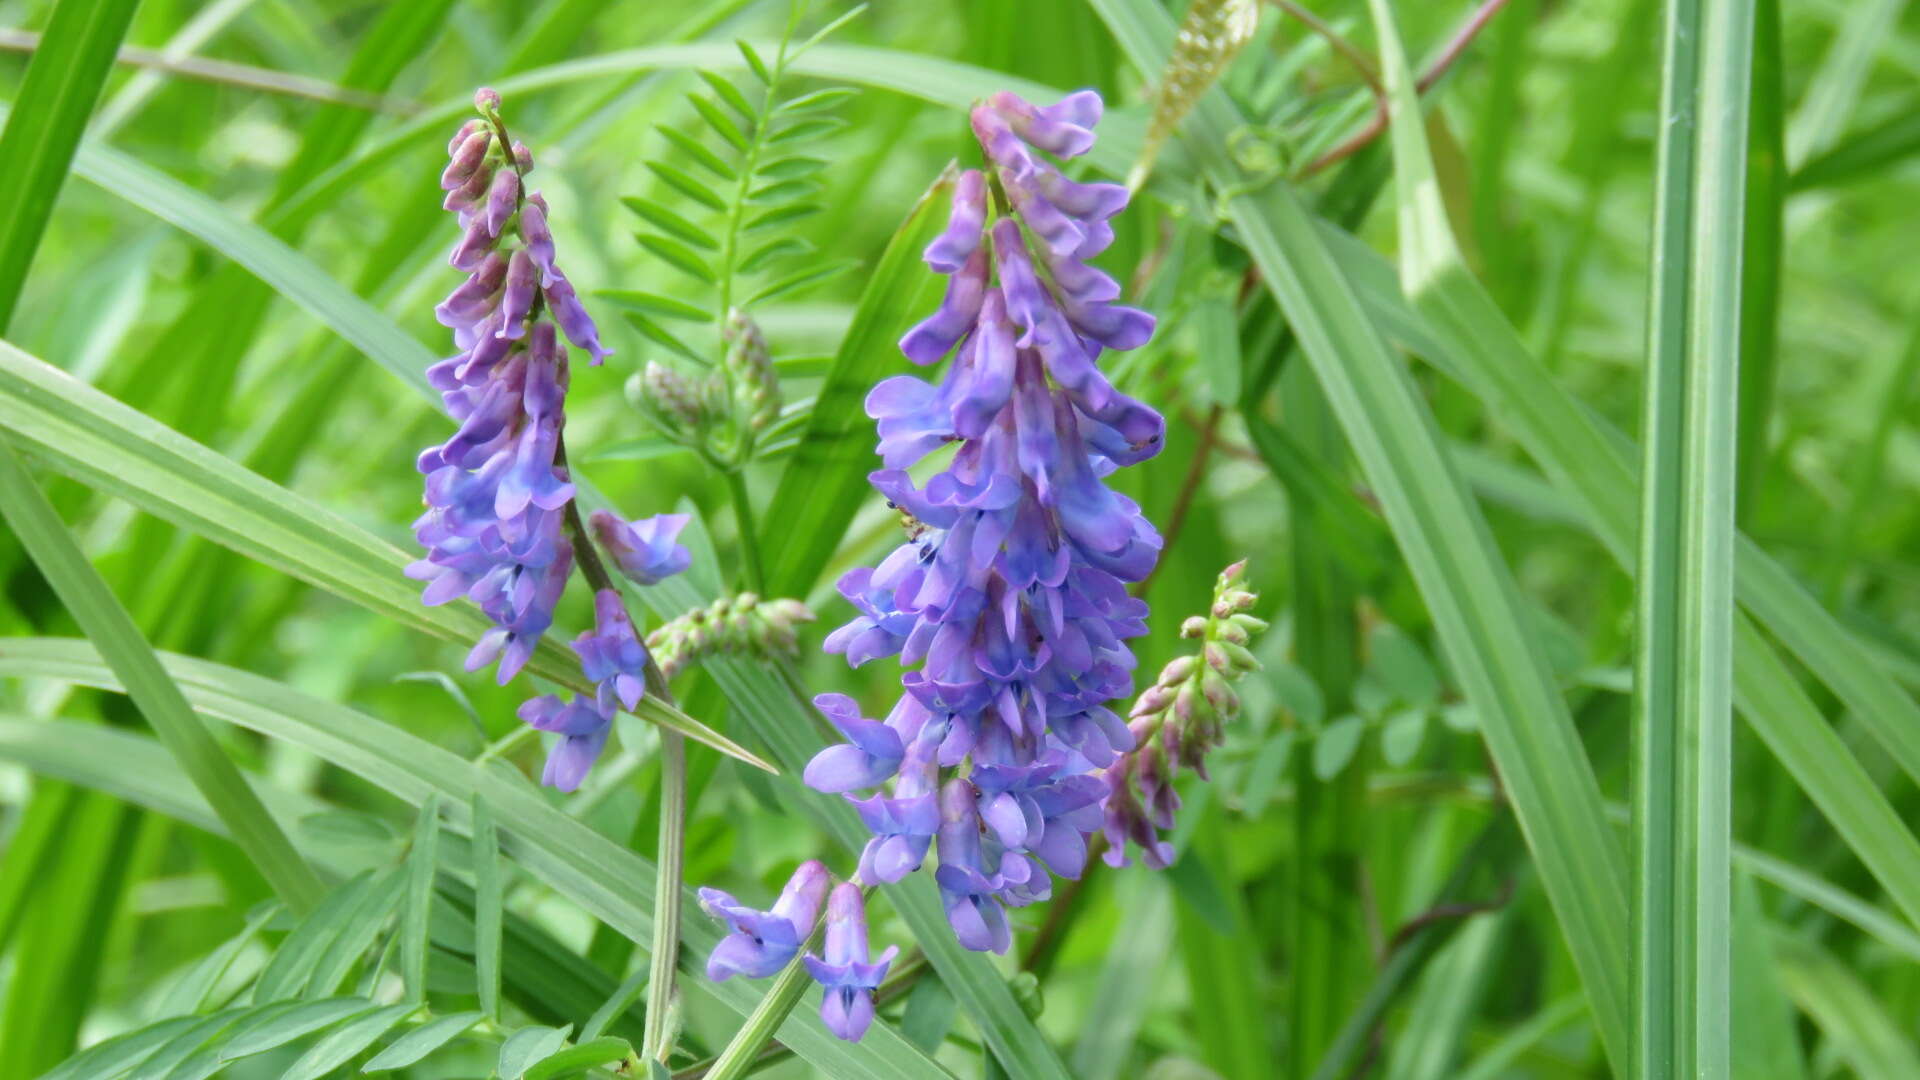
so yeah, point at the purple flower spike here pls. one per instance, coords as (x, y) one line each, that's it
(846, 976)
(762, 942)
(950, 249)
(645, 550)
(870, 756)
(496, 493)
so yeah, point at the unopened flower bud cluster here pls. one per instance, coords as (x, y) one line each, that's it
(731, 624)
(723, 411)
(1179, 719)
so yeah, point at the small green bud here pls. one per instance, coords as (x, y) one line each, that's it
(1194, 626)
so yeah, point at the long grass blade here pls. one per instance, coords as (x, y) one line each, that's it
(1683, 659)
(63, 82)
(107, 623)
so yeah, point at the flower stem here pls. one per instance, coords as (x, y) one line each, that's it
(749, 531)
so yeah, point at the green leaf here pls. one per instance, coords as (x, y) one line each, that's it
(686, 185)
(63, 80)
(799, 280)
(1683, 658)
(489, 899)
(776, 249)
(792, 168)
(783, 191)
(358, 928)
(1337, 744)
(294, 1022)
(99, 613)
(116, 1056)
(421, 1041)
(339, 1046)
(661, 336)
(601, 1051)
(805, 130)
(670, 223)
(720, 122)
(730, 94)
(1846, 1011)
(824, 484)
(193, 992)
(294, 962)
(678, 256)
(527, 1045)
(653, 304)
(421, 863)
(818, 99)
(779, 215)
(176, 1050)
(1400, 736)
(698, 151)
(754, 63)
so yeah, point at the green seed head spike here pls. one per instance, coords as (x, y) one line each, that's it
(1211, 35)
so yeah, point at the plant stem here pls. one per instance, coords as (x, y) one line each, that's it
(749, 531)
(662, 1005)
(743, 1054)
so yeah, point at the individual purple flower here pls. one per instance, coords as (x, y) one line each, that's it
(844, 973)
(612, 656)
(869, 757)
(763, 942)
(969, 888)
(583, 734)
(645, 550)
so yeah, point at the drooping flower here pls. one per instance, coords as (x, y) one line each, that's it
(844, 972)
(645, 550)
(762, 942)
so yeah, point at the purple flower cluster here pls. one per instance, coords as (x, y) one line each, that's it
(494, 493)
(497, 492)
(1008, 605)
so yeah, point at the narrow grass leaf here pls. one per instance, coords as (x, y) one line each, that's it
(421, 863)
(489, 897)
(421, 1041)
(94, 606)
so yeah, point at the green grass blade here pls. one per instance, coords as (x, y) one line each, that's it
(488, 897)
(107, 623)
(825, 479)
(421, 863)
(1852, 1018)
(1766, 1044)
(1683, 658)
(606, 879)
(63, 82)
(1445, 541)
